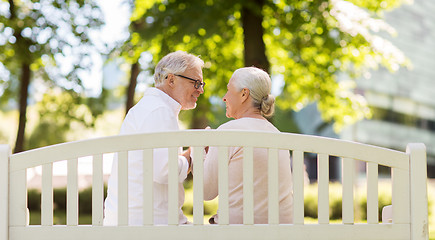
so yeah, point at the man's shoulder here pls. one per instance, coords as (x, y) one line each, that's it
(150, 103)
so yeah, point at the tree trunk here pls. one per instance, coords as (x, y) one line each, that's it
(255, 50)
(132, 86)
(24, 92)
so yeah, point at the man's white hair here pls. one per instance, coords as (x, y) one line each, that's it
(175, 63)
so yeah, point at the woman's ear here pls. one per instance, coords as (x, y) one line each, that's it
(245, 94)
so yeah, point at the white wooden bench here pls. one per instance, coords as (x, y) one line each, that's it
(409, 191)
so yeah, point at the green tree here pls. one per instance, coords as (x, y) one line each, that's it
(309, 43)
(47, 40)
(59, 112)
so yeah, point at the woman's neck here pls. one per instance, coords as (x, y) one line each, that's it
(251, 113)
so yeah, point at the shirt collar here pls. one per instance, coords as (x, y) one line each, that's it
(174, 105)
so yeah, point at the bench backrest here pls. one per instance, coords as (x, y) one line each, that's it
(408, 168)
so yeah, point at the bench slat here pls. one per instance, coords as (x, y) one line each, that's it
(248, 186)
(401, 187)
(198, 183)
(18, 198)
(298, 187)
(223, 185)
(273, 187)
(372, 193)
(123, 188)
(4, 190)
(400, 198)
(72, 201)
(213, 232)
(419, 208)
(323, 191)
(348, 170)
(148, 192)
(97, 190)
(47, 195)
(305, 143)
(173, 186)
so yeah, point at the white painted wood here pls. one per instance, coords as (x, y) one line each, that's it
(248, 186)
(419, 208)
(372, 193)
(198, 186)
(72, 194)
(122, 188)
(348, 170)
(5, 151)
(298, 187)
(411, 220)
(219, 232)
(97, 190)
(304, 143)
(323, 184)
(18, 198)
(223, 186)
(400, 196)
(148, 193)
(173, 186)
(47, 195)
(273, 187)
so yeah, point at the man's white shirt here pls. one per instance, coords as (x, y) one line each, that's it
(155, 112)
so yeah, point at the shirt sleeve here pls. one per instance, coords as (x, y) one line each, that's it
(159, 120)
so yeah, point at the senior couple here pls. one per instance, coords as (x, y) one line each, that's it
(178, 84)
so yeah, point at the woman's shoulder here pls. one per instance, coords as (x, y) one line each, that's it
(232, 124)
(248, 123)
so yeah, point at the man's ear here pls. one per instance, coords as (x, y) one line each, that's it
(170, 80)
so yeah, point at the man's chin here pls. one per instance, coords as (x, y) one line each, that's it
(189, 107)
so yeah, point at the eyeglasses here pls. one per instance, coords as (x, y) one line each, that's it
(197, 84)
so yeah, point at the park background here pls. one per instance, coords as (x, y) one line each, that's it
(356, 70)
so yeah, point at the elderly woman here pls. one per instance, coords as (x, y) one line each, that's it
(248, 101)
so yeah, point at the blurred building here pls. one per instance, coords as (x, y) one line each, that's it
(403, 103)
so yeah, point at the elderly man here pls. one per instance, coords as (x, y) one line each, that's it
(178, 84)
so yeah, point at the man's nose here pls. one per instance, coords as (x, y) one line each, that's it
(201, 89)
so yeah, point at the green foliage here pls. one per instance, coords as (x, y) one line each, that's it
(210, 207)
(61, 111)
(307, 42)
(34, 200)
(44, 34)
(48, 41)
(85, 200)
(59, 199)
(284, 121)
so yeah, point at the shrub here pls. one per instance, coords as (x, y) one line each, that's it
(59, 198)
(34, 200)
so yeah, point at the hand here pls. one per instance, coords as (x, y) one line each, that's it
(186, 154)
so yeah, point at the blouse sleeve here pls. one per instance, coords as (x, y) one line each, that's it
(211, 174)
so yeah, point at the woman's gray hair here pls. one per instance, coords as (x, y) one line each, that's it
(175, 63)
(259, 84)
